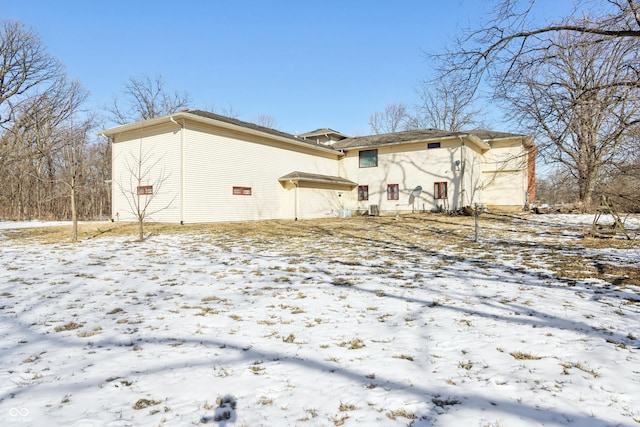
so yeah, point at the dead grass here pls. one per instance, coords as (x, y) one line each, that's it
(145, 403)
(518, 355)
(68, 327)
(425, 232)
(401, 413)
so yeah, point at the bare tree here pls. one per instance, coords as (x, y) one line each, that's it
(40, 145)
(393, 119)
(446, 103)
(621, 180)
(144, 98)
(229, 111)
(73, 151)
(572, 95)
(266, 120)
(511, 33)
(24, 66)
(146, 178)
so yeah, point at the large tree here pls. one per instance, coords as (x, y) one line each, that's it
(573, 97)
(590, 112)
(512, 31)
(25, 66)
(395, 117)
(43, 133)
(445, 103)
(144, 98)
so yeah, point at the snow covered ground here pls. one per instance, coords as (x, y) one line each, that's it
(370, 322)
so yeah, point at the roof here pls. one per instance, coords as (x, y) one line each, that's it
(221, 121)
(491, 135)
(477, 137)
(317, 178)
(322, 132)
(241, 123)
(486, 135)
(406, 137)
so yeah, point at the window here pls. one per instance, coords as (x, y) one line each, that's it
(241, 191)
(145, 190)
(440, 190)
(363, 192)
(393, 192)
(433, 145)
(368, 158)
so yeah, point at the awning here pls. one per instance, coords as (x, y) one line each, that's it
(297, 177)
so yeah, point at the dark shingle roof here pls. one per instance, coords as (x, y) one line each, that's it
(395, 138)
(241, 123)
(363, 141)
(486, 135)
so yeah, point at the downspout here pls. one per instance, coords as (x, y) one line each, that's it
(295, 200)
(110, 181)
(182, 126)
(462, 168)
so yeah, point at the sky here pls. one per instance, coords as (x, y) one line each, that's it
(308, 64)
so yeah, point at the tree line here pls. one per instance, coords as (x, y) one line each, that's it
(53, 165)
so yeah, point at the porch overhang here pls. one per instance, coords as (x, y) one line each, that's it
(297, 177)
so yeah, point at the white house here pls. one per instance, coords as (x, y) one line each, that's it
(195, 166)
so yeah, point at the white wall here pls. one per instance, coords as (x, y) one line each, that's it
(207, 162)
(152, 160)
(407, 165)
(216, 160)
(504, 173)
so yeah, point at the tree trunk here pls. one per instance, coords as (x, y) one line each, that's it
(74, 214)
(141, 229)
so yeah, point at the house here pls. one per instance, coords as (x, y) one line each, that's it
(195, 166)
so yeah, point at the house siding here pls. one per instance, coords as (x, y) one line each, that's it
(219, 160)
(412, 165)
(197, 163)
(505, 174)
(159, 151)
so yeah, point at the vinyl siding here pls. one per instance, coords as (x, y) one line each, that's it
(407, 165)
(196, 167)
(154, 157)
(218, 160)
(504, 189)
(504, 174)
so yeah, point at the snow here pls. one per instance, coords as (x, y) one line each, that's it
(384, 327)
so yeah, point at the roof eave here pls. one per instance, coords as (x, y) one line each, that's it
(479, 143)
(210, 121)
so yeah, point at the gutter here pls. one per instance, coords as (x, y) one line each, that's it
(185, 115)
(483, 146)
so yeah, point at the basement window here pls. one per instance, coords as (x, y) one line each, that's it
(145, 190)
(368, 158)
(241, 191)
(393, 192)
(440, 190)
(431, 145)
(363, 192)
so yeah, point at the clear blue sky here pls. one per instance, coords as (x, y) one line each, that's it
(307, 63)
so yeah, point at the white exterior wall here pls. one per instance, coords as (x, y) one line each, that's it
(195, 168)
(155, 159)
(472, 186)
(408, 165)
(216, 161)
(504, 174)
(314, 202)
